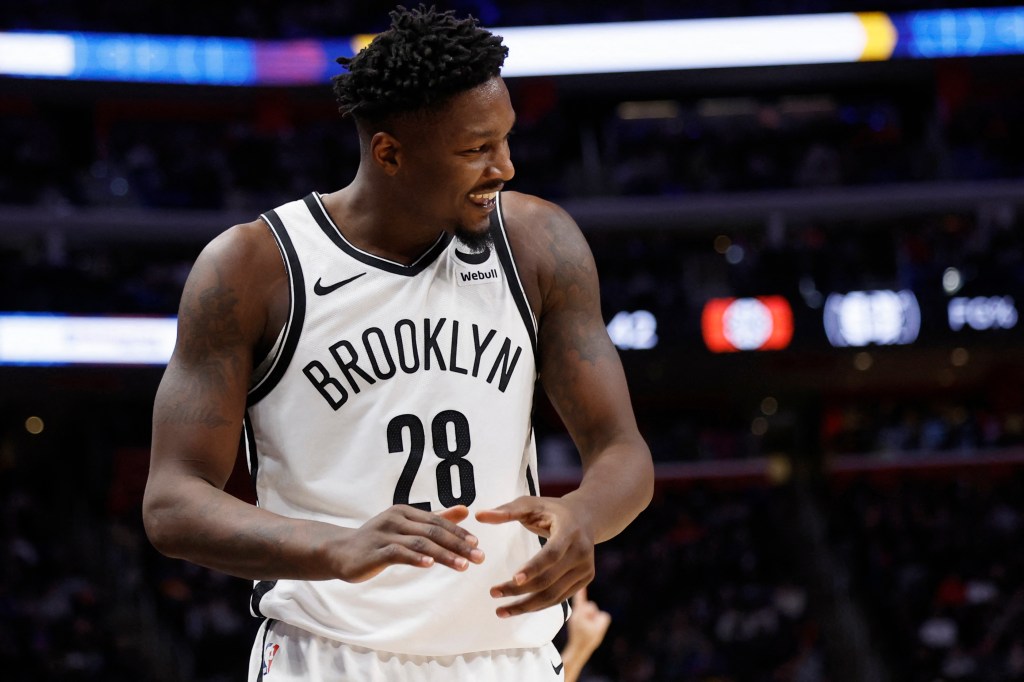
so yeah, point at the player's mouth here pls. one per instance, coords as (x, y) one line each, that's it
(485, 200)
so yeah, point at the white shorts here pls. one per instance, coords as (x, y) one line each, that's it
(285, 653)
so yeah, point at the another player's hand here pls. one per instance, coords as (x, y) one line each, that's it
(562, 567)
(587, 625)
(406, 535)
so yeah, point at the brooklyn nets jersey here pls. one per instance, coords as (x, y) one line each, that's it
(399, 384)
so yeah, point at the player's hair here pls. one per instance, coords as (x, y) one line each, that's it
(424, 58)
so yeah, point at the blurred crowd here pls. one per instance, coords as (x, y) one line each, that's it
(709, 585)
(938, 566)
(66, 589)
(915, 426)
(253, 151)
(704, 587)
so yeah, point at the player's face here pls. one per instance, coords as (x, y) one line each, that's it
(460, 159)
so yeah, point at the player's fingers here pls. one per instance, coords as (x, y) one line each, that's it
(456, 514)
(524, 583)
(559, 556)
(441, 521)
(510, 511)
(395, 553)
(545, 581)
(495, 516)
(426, 536)
(579, 599)
(557, 593)
(424, 546)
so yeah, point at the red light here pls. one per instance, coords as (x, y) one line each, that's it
(735, 324)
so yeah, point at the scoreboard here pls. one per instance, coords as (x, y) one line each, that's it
(849, 319)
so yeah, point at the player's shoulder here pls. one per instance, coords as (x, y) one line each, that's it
(549, 247)
(542, 228)
(244, 258)
(531, 214)
(240, 272)
(245, 245)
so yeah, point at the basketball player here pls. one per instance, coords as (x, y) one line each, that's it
(378, 347)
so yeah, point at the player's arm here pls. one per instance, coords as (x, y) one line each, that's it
(582, 374)
(197, 420)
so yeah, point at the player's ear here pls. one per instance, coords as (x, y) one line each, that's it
(386, 152)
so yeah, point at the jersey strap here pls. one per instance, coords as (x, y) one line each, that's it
(296, 309)
(508, 264)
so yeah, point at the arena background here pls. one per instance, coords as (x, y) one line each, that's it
(813, 272)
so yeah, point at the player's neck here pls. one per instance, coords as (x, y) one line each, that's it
(379, 224)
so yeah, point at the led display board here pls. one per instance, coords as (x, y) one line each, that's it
(622, 47)
(43, 339)
(861, 318)
(744, 324)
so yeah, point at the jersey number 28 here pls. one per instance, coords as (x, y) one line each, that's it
(452, 455)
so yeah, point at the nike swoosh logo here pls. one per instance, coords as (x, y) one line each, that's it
(321, 290)
(475, 258)
(557, 668)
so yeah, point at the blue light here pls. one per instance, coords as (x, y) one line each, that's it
(536, 50)
(164, 59)
(935, 34)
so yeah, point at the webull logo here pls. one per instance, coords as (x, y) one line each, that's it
(466, 278)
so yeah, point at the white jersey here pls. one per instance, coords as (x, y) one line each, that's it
(391, 384)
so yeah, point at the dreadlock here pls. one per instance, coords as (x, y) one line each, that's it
(421, 61)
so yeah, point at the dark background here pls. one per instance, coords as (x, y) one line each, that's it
(821, 514)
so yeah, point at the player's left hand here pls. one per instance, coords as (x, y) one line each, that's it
(562, 567)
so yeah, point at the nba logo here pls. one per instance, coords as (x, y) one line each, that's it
(268, 657)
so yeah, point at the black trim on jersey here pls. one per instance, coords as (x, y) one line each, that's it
(258, 591)
(508, 264)
(250, 449)
(319, 214)
(263, 586)
(296, 310)
(263, 654)
(529, 482)
(533, 492)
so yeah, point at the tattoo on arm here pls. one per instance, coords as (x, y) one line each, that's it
(573, 305)
(183, 413)
(574, 341)
(210, 334)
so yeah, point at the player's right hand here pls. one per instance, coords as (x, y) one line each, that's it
(405, 535)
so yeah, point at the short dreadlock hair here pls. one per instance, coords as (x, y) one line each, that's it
(424, 59)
